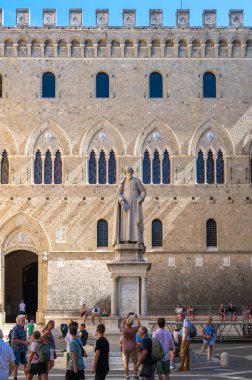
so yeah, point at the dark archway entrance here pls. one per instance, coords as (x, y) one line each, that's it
(21, 281)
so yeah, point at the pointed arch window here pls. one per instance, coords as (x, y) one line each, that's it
(92, 175)
(58, 168)
(209, 85)
(211, 233)
(102, 233)
(156, 85)
(166, 168)
(156, 167)
(220, 167)
(5, 168)
(210, 167)
(146, 168)
(38, 168)
(48, 85)
(112, 168)
(48, 168)
(102, 85)
(200, 168)
(157, 233)
(102, 168)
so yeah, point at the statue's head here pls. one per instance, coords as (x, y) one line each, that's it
(128, 171)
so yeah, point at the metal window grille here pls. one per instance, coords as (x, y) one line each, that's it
(146, 168)
(220, 167)
(157, 233)
(48, 85)
(156, 85)
(209, 85)
(102, 233)
(210, 167)
(102, 85)
(38, 168)
(92, 168)
(211, 230)
(166, 168)
(200, 167)
(156, 168)
(4, 168)
(58, 168)
(48, 168)
(112, 168)
(102, 168)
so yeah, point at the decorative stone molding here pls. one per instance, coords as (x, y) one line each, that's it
(75, 17)
(183, 18)
(209, 18)
(102, 18)
(156, 18)
(129, 18)
(236, 18)
(23, 17)
(49, 17)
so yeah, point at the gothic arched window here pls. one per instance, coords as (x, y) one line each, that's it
(209, 85)
(92, 175)
(200, 168)
(48, 85)
(157, 233)
(102, 233)
(102, 176)
(220, 168)
(4, 168)
(156, 167)
(38, 168)
(156, 85)
(48, 168)
(58, 168)
(146, 168)
(211, 233)
(112, 168)
(102, 85)
(166, 168)
(210, 167)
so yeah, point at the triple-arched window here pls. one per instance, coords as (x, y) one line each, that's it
(102, 85)
(211, 233)
(209, 85)
(210, 170)
(48, 85)
(157, 233)
(156, 85)
(156, 168)
(102, 233)
(48, 170)
(102, 168)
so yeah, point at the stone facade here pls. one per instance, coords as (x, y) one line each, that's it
(59, 222)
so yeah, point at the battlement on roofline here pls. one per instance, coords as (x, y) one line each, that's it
(49, 19)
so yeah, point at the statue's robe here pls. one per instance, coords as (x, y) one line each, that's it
(128, 219)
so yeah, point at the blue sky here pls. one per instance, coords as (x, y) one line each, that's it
(116, 6)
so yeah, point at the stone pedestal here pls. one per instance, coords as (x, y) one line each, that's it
(129, 280)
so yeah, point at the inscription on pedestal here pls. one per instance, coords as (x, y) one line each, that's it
(128, 296)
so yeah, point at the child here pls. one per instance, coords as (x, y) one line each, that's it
(101, 359)
(30, 329)
(34, 367)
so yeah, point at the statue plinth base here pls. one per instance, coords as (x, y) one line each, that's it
(129, 280)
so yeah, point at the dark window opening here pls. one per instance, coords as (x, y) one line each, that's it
(209, 85)
(211, 230)
(156, 85)
(157, 233)
(48, 85)
(102, 233)
(102, 85)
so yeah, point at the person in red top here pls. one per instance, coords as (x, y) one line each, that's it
(129, 346)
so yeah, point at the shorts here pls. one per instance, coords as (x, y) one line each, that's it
(20, 357)
(38, 369)
(163, 367)
(100, 375)
(70, 375)
(52, 354)
(126, 356)
(210, 342)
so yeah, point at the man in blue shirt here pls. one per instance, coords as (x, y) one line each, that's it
(148, 367)
(19, 344)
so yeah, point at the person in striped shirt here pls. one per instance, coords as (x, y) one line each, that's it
(7, 359)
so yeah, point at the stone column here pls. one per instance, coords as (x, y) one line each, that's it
(42, 47)
(122, 50)
(230, 50)
(135, 50)
(149, 50)
(108, 50)
(95, 50)
(243, 50)
(15, 47)
(69, 50)
(55, 49)
(28, 50)
(203, 50)
(114, 296)
(1, 50)
(189, 50)
(175, 51)
(162, 48)
(82, 50)
(143, 295)
(216, 50)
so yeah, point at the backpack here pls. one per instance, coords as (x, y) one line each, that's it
(64, 330)
(43, 353)
(157, 352)
(192, 331)
(10, 338)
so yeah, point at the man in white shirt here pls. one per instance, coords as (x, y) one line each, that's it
(166, 339)
(185, 344)
(7, 359)
(22, 307)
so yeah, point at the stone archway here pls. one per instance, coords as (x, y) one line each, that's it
(22, 233)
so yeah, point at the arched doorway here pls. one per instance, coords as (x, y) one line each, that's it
(21, 282)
